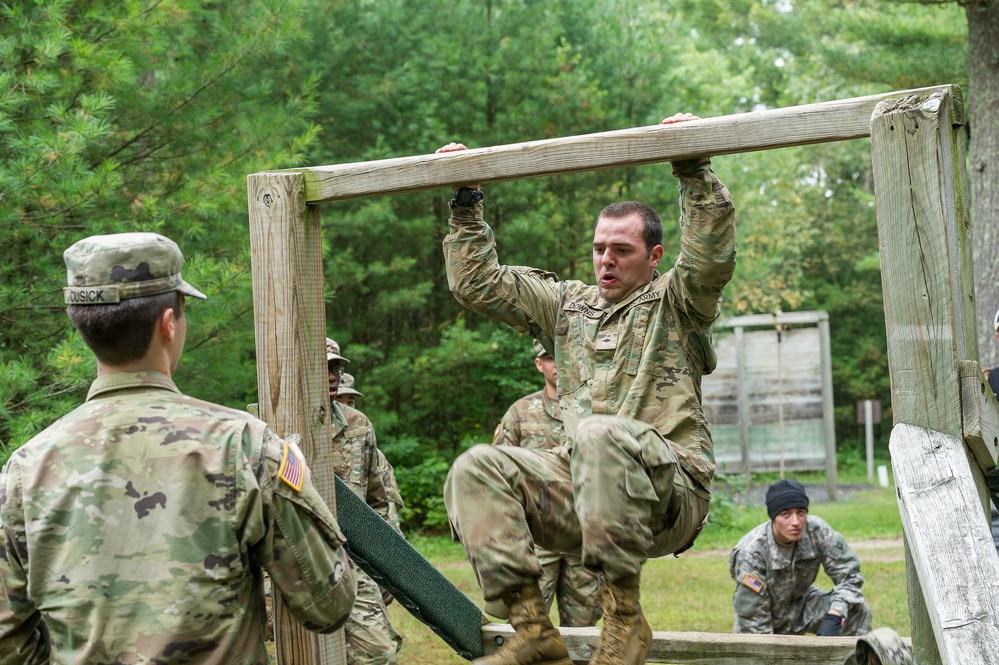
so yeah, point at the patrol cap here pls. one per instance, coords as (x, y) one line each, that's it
(347, 386)
(333, 352)
(539, 350)
(107, 269)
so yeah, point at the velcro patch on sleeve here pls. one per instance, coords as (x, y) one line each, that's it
(753, 583)
(292, 469)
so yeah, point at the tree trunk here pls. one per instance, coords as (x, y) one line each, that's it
(983, 166)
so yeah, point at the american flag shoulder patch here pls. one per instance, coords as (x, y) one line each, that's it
(753, 583)
(292, 469)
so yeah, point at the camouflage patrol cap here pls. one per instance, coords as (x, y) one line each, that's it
(347, 386)
(540, 350)
(333, 352)
(107, 269)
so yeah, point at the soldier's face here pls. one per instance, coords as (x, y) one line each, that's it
(621, 261)
(546, 365)
(335, 370)
(346, 399)
(789, 525)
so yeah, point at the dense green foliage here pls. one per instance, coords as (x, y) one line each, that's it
(149, 115)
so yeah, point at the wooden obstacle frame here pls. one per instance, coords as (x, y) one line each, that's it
(748, 390)
(946, 421)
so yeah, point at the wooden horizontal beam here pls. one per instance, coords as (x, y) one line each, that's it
(683, 648)
(769, 129)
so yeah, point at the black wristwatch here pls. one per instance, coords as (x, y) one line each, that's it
(465, 197)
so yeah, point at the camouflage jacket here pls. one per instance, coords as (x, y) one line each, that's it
(769, 587)
(357, 460)
(640, 358)
(387, 475)
(533, 421)
(135, 530)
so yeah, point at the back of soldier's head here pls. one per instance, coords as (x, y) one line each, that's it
(117, 286)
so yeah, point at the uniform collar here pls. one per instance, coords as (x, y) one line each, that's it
(118, 381)
(610, 308)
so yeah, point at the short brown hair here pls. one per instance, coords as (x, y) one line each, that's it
(121, 333)
(652, 225)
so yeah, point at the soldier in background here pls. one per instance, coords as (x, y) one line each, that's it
(535, 421)
(371, 638)
(137, 527)
(345, 393)
(775, 565)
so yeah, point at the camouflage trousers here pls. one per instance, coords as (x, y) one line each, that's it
(616, 499)
(807, 616)
(577, 588)
(371, 639)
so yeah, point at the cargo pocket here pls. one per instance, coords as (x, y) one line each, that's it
(638, 485)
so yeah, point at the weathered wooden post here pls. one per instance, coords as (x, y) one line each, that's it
(290, 327)
(921, 192)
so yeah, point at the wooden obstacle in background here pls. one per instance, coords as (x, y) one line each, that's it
(921, 191)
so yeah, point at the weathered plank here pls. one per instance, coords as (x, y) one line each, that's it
(683, 648)
(926, 272)
(807, 124)
(979, 415)
(289, 323)
(951, 544)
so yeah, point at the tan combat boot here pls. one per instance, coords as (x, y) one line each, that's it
(626, 636)
(535, 640)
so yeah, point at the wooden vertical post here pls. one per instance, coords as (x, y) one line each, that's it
(290, 328)
(926, 270)
(828, 409)
(742, 396)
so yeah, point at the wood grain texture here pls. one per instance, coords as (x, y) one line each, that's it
(684, 648)
(952, 547)
(979, 415)
(769, 129)
(920, 194)
(289, 324)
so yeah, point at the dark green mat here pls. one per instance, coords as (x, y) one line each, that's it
(419, 587)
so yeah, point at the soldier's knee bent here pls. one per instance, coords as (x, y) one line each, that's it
(593, 432)
(476, 457)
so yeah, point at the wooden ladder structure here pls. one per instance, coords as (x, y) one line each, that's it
(946, 421)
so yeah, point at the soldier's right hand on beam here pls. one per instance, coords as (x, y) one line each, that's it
(455, 147)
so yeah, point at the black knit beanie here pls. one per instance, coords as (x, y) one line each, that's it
(784, 495)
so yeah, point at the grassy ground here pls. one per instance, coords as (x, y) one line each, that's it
(694, 591)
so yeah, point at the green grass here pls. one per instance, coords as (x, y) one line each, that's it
(693, 592)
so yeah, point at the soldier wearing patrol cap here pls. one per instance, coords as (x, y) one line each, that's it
(137, 527)
(535, 421)
(371, 638)
(346, 393)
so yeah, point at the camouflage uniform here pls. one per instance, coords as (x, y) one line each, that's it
(535, 421)
(371, 639)
(387, 475)
(135, 529)
(774, 594)
(634, 477)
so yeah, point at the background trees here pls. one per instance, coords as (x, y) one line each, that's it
(150, 114)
